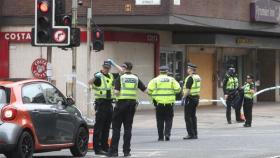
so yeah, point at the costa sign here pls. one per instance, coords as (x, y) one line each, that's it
(39, 68)
(16, 36)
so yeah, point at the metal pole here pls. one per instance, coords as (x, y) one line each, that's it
(74, 49)
(49, 66)
(89, 17)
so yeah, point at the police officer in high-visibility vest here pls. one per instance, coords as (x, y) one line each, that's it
(103, 90)
(126, 87)
(163, 90)
(249, 90)
(231, 88)
(191, 94)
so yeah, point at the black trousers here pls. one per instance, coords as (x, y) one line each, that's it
(123, 114)
(248, 107)
(103, 118)
(237, 111)
(190, 115)
(164, 117)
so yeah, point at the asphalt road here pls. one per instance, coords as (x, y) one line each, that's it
(217, 139)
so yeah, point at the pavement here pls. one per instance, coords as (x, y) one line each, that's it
(217, 139)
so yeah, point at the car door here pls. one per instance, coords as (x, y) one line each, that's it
(65, 120)
(42, 114)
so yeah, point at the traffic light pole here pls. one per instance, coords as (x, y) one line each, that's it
(74, 49)
(89, 18)
(49, 66)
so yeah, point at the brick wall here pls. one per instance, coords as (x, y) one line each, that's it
(223, 9)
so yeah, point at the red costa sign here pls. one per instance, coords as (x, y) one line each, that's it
(39, 68)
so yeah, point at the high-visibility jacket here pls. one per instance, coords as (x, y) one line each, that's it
(163, 89)
(100, 92)
(248, 90)
(196, 86)
(129, 87)
(232, 83)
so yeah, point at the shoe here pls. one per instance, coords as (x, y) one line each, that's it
(195, 137)
(126, 154)
(167, 138)
(240, 121)
(160, 139)
(229, 122)
(189, 137)
(247, 125)
(100, 152)
(110, 154)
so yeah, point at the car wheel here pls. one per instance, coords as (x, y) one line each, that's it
(25, 147)
(80, 147)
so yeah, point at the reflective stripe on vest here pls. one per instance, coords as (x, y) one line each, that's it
(129, 86)
(196, 86)
(247, 91)
(232, 83)
(106, 85)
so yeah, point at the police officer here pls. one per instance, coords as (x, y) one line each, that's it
(126, 87)
(163, 90)
(230, 88)
(249, 90)
(102, 85)
(191, 94)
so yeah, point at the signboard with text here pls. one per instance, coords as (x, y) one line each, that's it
(267, 11)
(147, 2)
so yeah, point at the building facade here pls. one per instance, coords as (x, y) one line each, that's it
(212, 34)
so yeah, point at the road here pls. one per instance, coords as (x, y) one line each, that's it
(217, 139)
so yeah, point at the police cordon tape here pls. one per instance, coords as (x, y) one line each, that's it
(221, 100)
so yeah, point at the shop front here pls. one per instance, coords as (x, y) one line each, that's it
(214, 53)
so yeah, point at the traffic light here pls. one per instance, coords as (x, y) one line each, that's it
(98, 39)
(48, 29)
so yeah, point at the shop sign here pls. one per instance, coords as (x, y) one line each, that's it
(242, 40)
(16, 36)
(39, 68)
(152, 37)
(147, 2)
(265, 11)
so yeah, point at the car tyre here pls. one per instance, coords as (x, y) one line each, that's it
(24, 148)
(80, 147)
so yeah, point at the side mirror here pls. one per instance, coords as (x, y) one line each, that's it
(70, 101)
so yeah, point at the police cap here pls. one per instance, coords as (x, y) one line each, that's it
(164, 69)
(192, 66)
(107, 64)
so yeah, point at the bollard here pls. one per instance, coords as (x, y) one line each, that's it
(90, 141)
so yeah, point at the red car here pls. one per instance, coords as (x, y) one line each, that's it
(37, 117)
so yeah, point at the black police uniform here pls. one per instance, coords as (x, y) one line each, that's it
(248, 107)
(103, 119)
(123, 114)
(191, 104)
(232, 94)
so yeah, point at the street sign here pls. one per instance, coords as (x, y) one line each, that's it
(59, 36)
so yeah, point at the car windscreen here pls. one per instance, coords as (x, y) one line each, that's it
(4, 97)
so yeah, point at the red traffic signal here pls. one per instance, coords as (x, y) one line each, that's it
(43, 6)
(98, 39)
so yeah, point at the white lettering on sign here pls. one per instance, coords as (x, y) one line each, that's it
(147, 2)
(265, 12)
(152, 38)
(17, 36)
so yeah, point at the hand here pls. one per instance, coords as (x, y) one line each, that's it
(226, 97)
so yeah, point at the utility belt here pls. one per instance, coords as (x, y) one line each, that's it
(165, 104)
